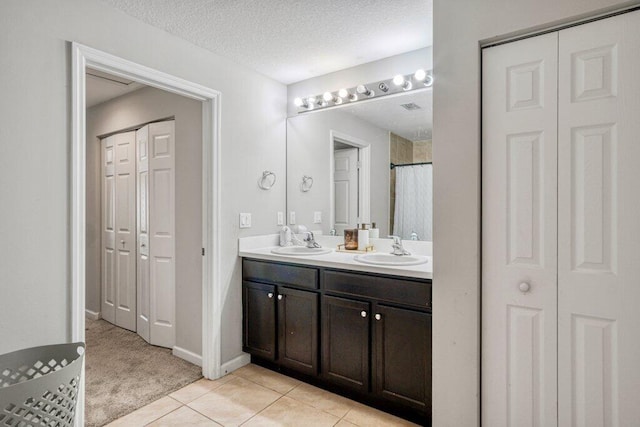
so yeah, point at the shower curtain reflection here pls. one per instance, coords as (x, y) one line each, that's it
(414, 202)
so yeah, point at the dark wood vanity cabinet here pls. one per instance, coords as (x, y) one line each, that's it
(280, 323)
(366, 334)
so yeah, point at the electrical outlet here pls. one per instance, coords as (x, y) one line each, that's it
(280, 218)
(292, 218)
(245, 220)
(317, 217)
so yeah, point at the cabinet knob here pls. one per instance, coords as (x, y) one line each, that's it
(280, 297)
(524, 287)
(378, 316)
(270, 294)
(363, 313)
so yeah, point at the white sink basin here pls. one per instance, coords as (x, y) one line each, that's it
(300, 251)
(389, 259)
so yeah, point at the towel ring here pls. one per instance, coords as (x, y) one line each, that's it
(307, 183)
(267, 180)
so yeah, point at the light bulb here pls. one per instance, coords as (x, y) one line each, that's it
(428, 81)
(311, 100)
(298, 102)
(343, 93)
(420, 75)
(327, 96)
(398, 80)
(362, 89)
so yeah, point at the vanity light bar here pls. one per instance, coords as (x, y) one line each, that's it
(398, 84)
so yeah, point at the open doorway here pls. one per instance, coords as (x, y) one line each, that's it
(83, 58)
(350, 181)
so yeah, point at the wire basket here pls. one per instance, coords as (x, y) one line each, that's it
(39, 385)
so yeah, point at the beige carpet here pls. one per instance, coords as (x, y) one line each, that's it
(124, 373)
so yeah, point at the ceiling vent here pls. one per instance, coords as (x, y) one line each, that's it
(411, 106)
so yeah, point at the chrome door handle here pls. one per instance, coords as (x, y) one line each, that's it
(378, 316)
(279, 297)
(363, 313)
(270, 294)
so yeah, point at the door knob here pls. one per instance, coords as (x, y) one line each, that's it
(143, 245)
(363, 313)
(280, 297)
(378, 316)
(122, 242)
(524, 287)
(270, 294)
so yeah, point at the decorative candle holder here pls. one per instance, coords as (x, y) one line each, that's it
(351, 239)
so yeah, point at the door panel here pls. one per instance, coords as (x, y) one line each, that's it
(125, 230)
(108, 292)
(345, 177)
(298, 330)
(142, 203)
(259, 319)
(403, 356)
(161, 211)
(345, 342)
(599, 230)
(519, 227)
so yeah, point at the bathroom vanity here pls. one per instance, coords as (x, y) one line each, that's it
(363, 334)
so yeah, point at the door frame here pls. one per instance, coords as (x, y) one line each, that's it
(364, 176)
(82, 57)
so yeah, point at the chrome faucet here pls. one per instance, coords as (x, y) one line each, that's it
(398, 249)
(311, 241)
(414, 236)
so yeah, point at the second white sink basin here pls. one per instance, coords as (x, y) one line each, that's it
(300, 251)
(389, 259)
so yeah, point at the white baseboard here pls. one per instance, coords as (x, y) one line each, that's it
(233, 364)
(187, 355)
(92, 315)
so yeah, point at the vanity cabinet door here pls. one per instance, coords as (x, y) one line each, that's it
(345, 342)
(298, 330)
(402, 356)
(259, 312)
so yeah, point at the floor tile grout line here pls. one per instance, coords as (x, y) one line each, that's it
(170, 412)
(262, 410)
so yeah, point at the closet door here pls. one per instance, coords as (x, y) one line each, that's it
(161, 202)
(108, 270)
(519, 234)
(599, 223)
(142, 144)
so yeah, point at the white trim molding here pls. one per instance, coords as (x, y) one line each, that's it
(235, 363)
(81, 58)
(187, 355)
(92, 315)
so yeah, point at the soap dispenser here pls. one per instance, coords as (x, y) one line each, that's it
(363, 238)
(374, 232)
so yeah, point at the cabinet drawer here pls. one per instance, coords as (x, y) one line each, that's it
(396, 290)
(281, 274)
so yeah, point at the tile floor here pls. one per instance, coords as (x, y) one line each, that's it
(255, 396)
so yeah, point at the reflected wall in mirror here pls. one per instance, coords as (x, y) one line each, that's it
(348, 151)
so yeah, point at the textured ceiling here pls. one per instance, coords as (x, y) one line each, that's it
(292, 40)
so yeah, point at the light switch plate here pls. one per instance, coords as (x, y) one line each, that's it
(317, 217)
(245, 220)
(292, 218)
(280, 218)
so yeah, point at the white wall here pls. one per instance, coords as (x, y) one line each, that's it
(142, 106)
(308, 153)
(374, 71)
(459, 28)
(35, 148)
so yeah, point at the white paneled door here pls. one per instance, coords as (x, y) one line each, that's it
(157, 232)
(345, 188)
(599, 223)
(519, 214)
(561, 228)
(119, 225)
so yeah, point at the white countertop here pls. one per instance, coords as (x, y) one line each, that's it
(260, 247)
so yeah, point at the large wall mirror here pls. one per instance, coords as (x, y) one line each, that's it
(363, 163)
